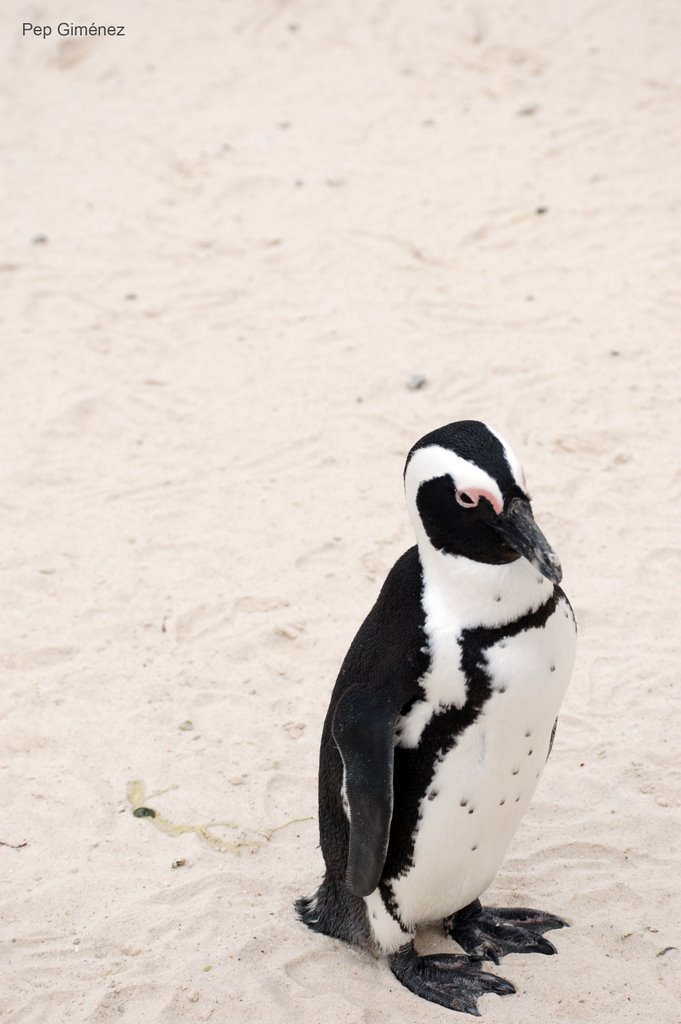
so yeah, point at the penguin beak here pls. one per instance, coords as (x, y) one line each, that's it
(517, 527)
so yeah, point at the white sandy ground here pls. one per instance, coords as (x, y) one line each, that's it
(261, 218)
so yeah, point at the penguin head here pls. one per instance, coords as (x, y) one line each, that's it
(467, 496)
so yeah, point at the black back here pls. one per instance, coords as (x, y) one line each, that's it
(378, 678)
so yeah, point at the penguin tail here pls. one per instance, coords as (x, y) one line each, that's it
(306, 909)
(334, 911)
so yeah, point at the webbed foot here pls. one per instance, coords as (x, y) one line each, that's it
(453, 981)
(488, 933)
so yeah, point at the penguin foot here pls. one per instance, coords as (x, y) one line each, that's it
(488, 933)
(451, 980)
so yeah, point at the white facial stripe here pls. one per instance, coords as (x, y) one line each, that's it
(434, 461)
(512, 460)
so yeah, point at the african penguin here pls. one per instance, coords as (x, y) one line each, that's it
(440, 724)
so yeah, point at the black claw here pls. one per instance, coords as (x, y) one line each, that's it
(544, 946)
(452, 981)
(493, 983)
(528, 918)
(492, 932)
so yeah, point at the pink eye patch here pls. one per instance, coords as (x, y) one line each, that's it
(470, 497)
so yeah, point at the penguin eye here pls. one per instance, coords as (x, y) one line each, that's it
(466, 500)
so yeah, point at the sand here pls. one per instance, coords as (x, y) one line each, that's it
(230, 239)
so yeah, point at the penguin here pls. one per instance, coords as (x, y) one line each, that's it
(440, 723)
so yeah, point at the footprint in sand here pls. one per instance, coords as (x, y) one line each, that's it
(42, 657)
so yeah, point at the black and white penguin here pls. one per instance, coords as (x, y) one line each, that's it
(441, 721)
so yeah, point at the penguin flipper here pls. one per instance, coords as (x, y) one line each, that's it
(363, 729)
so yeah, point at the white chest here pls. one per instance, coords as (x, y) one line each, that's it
(459, 594)
(481, 788)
